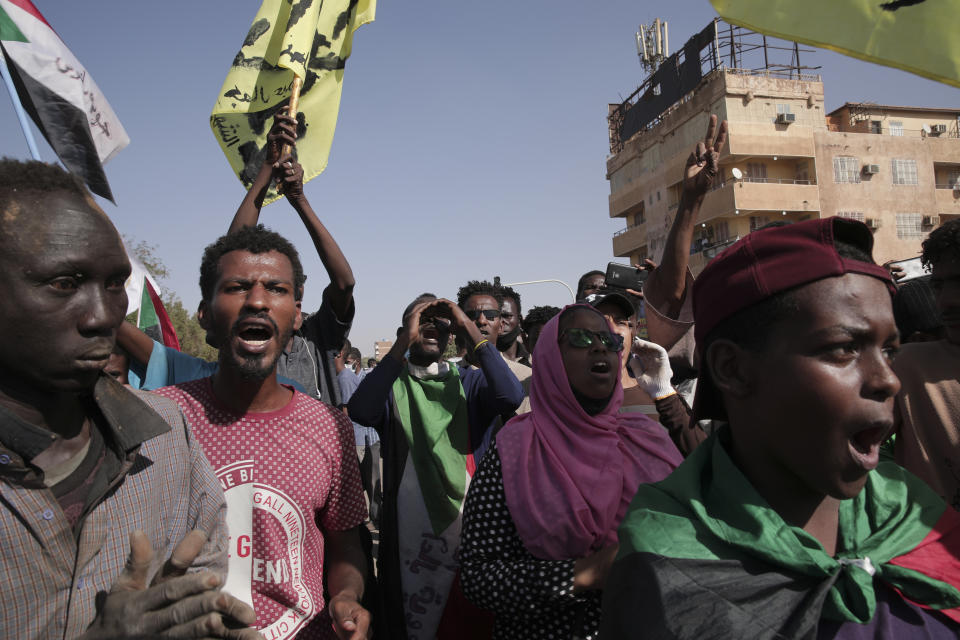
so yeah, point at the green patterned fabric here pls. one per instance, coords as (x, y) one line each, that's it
(708, 510)
(433, 414)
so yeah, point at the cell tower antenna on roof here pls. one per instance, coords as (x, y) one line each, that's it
(652, 45)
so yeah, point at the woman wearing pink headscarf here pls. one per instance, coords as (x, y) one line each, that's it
(541, 516)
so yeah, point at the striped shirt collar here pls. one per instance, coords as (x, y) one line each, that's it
(128, 423)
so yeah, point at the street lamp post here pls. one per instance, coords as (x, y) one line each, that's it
(573, 296)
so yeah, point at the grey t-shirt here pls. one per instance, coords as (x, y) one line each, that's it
(310, 359)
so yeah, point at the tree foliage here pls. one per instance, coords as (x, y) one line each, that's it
(191, 335)
(146, 253)
(452, 350)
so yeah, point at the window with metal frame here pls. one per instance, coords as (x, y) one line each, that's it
(909, 225)
(757, 171)
(904, 171)
(721, 230)
(846, 169)
(852, 215)
(758, 221)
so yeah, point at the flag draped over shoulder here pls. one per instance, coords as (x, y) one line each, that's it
(724, 564)
(60, 95)
(919, 36)
(144, 300)
(433, 414)
(310, 39)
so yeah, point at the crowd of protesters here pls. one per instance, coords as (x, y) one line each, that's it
(779, 459)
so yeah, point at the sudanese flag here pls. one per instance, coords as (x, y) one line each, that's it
(144, 301)
(60, 95)
(703, 555)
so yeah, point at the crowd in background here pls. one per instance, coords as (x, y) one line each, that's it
(776, 457)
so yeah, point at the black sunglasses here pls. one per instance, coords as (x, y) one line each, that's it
(474, 314)
(583, 338)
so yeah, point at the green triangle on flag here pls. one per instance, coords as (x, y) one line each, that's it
(148, 315)
(9, 30)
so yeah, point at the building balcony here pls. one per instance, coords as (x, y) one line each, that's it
(760, 194)
(764, 140)
(863, 128)
(627, 240)
(629, 200)
(948, 199)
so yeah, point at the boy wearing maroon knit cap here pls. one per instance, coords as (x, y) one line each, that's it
(785, 524)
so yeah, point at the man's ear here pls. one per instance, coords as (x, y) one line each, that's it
(298, 320)
(202, 316)
(732, 368)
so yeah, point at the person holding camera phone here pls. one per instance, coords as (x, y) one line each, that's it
(434, 422)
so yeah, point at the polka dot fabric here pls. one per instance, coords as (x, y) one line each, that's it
(288, 476)
(532, 599)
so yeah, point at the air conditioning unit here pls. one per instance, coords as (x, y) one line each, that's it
(930, 221)
(873, 223)
(871, 169)
(786, 118)
(938, 128)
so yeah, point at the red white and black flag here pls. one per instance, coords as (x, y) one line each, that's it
(60, 95)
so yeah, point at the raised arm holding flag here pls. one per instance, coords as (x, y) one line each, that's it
(289, 44)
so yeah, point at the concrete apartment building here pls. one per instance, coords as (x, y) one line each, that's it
(382, 348)
(895, 168)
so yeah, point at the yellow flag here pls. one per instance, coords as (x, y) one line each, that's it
(307, 38)
(920, 36)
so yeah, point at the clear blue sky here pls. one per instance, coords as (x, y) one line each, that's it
(471, 143)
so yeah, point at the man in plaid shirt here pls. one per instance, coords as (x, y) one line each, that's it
(111, 520)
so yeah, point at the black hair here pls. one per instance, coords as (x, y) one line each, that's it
(423, 297)
(774, 225)
(539, 315)
(915, 309)
(371, 362)
(479, 288)
(583, 278)
(33, 178)
(943, 243)
(567, 313)
(355, 352)
(509, 292)
(255, 240)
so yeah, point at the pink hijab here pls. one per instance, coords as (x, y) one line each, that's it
(569, 477)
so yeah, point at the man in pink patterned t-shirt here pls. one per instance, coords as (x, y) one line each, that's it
(286, 462)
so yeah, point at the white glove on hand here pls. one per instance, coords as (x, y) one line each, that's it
(651, 367)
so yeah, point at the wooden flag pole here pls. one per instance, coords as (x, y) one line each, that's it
(294, 105)
(292, 112)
